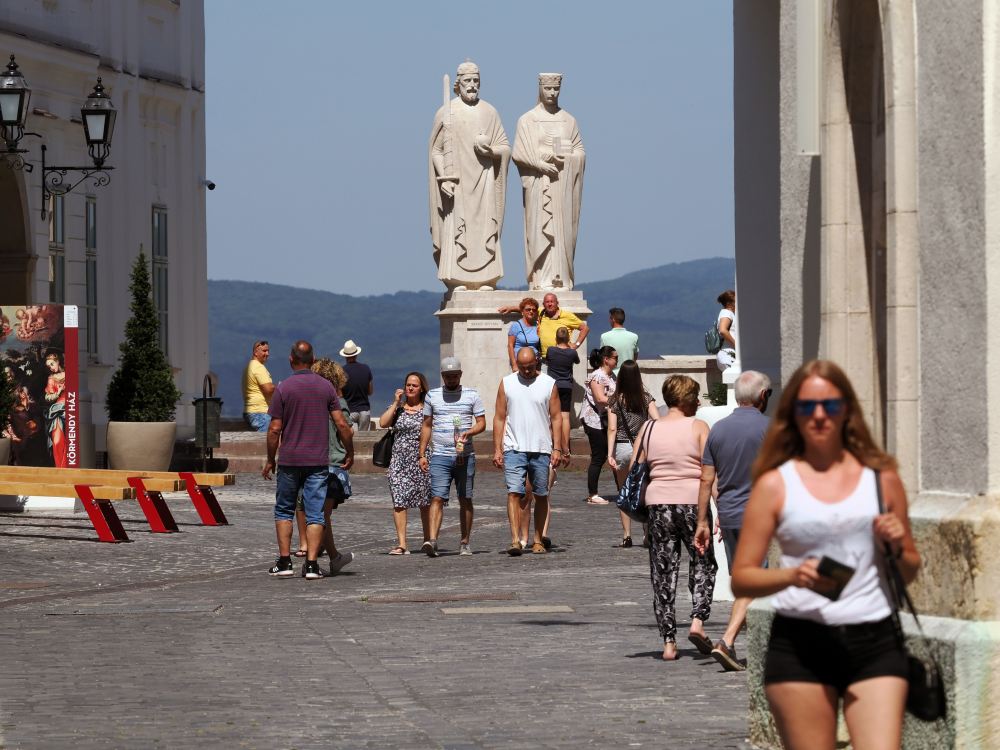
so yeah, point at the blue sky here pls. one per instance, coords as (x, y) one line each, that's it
(319, 113)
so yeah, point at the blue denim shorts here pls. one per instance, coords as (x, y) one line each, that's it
(311, 481)
(444, 470)
(259, 422)
(518, 466)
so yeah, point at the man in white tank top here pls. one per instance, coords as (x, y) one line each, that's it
(527, 440)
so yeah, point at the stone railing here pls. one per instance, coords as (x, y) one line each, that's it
(698, 366)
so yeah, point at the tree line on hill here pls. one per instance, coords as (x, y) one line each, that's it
(669, 307)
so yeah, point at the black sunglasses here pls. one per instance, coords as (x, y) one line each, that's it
(806, 407)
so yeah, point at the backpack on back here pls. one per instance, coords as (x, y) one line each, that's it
(713, 340)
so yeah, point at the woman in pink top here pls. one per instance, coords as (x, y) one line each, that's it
(676, 443)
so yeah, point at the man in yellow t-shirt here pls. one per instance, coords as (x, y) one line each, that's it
(257, 389)
(552, 319)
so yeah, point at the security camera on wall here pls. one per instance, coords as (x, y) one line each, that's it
(209, 184)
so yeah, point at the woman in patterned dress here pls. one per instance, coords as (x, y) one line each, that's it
(410, 487)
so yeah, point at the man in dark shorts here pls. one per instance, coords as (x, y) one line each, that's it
(301, 409)
(730, 451)
(360, 385)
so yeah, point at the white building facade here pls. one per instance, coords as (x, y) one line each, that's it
(150, 55)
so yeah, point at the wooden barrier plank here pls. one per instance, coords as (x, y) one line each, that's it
(85, 476)
(65, 490)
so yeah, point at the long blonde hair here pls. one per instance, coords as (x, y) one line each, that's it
(784, 441)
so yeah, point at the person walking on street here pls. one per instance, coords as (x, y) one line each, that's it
(731, 449)
(453, 414)
(257, 388)
(409, 484)
(620, 338)
(674, 448)
(360, 385)
(598, 388)
(527, 441)
(301, 409)
(629, 407)
(338, 487)
(830, 495)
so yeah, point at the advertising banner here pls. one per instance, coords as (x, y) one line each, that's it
(38, 351)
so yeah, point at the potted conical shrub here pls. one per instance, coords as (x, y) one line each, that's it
(142, 397)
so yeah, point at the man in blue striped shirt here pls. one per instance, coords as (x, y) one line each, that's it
(453, 413)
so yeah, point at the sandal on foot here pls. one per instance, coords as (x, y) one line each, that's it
(626, 542)
(516, 549)
(301, 553)
(596, 500)
(701, 642)
(539, 548)
(399, 551)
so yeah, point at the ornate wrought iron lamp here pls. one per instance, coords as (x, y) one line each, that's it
(98, 115)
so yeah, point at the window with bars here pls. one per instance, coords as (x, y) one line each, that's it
(159, 272)
(57, 250)
(90, 243)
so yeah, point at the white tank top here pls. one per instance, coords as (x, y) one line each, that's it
(809, 527)
(528, 429)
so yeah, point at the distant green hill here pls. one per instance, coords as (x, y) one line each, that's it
(669, 307)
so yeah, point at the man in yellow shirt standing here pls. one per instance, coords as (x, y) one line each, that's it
(552, 319)
(257, 389)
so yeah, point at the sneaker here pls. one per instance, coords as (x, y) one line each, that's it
(430, 548)
(281, 569)
(311, 571)
(341, 561)
(465, 549)
(516, 549)
(726, 656)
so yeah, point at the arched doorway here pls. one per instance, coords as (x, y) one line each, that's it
(14, 238)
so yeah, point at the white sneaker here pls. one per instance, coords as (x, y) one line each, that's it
(341, 561)
(465, 550)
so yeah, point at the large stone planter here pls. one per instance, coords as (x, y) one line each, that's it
(4, 451)
(146, 446)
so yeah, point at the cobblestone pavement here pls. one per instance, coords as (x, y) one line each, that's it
(181, 640)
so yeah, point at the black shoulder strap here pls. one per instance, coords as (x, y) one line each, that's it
(644, 448)
(624, 421)
(896, 583)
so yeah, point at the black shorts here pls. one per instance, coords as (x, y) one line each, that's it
(834, 655)
(565, 399)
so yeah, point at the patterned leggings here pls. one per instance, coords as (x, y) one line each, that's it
(670, 526)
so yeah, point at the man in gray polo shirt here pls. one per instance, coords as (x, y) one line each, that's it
(730, 451)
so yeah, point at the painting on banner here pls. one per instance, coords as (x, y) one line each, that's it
(38, 351)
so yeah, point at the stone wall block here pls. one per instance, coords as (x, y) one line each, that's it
(900, 159)
(957, 538)
(903, 265)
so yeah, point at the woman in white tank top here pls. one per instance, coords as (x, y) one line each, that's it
(815, 492)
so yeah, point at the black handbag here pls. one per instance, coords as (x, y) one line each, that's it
(382, 450)
(926, 697)
(631, 498)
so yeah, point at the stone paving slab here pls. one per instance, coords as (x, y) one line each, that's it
(181, 640)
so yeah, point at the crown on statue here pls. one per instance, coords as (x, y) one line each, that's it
(550, 79)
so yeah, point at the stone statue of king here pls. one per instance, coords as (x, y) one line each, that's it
(469, 155)
(549, 155)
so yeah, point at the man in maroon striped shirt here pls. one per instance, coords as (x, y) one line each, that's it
(301, 409)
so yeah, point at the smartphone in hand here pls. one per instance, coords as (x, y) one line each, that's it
(837, 571)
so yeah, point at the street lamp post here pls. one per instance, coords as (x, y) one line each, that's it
(98, 115)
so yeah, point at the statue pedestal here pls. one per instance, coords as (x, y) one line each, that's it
(473, 331)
